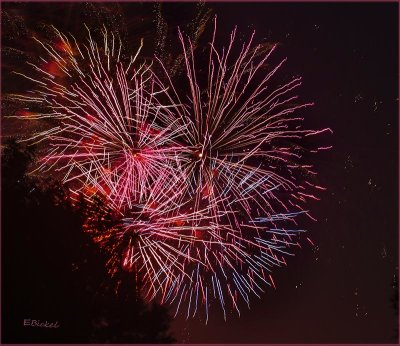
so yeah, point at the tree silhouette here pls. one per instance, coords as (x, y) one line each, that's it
(52, 270)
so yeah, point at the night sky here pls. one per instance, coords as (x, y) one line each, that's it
(340, 290)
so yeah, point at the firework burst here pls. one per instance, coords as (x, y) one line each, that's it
(204, 181)
(238, 161)
(102, 134)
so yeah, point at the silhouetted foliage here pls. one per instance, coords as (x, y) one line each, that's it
(52, 271)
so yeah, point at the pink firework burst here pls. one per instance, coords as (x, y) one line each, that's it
(101, 134)
(204, 177)
(245, 181)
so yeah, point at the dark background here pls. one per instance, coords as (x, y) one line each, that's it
(341, 290)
